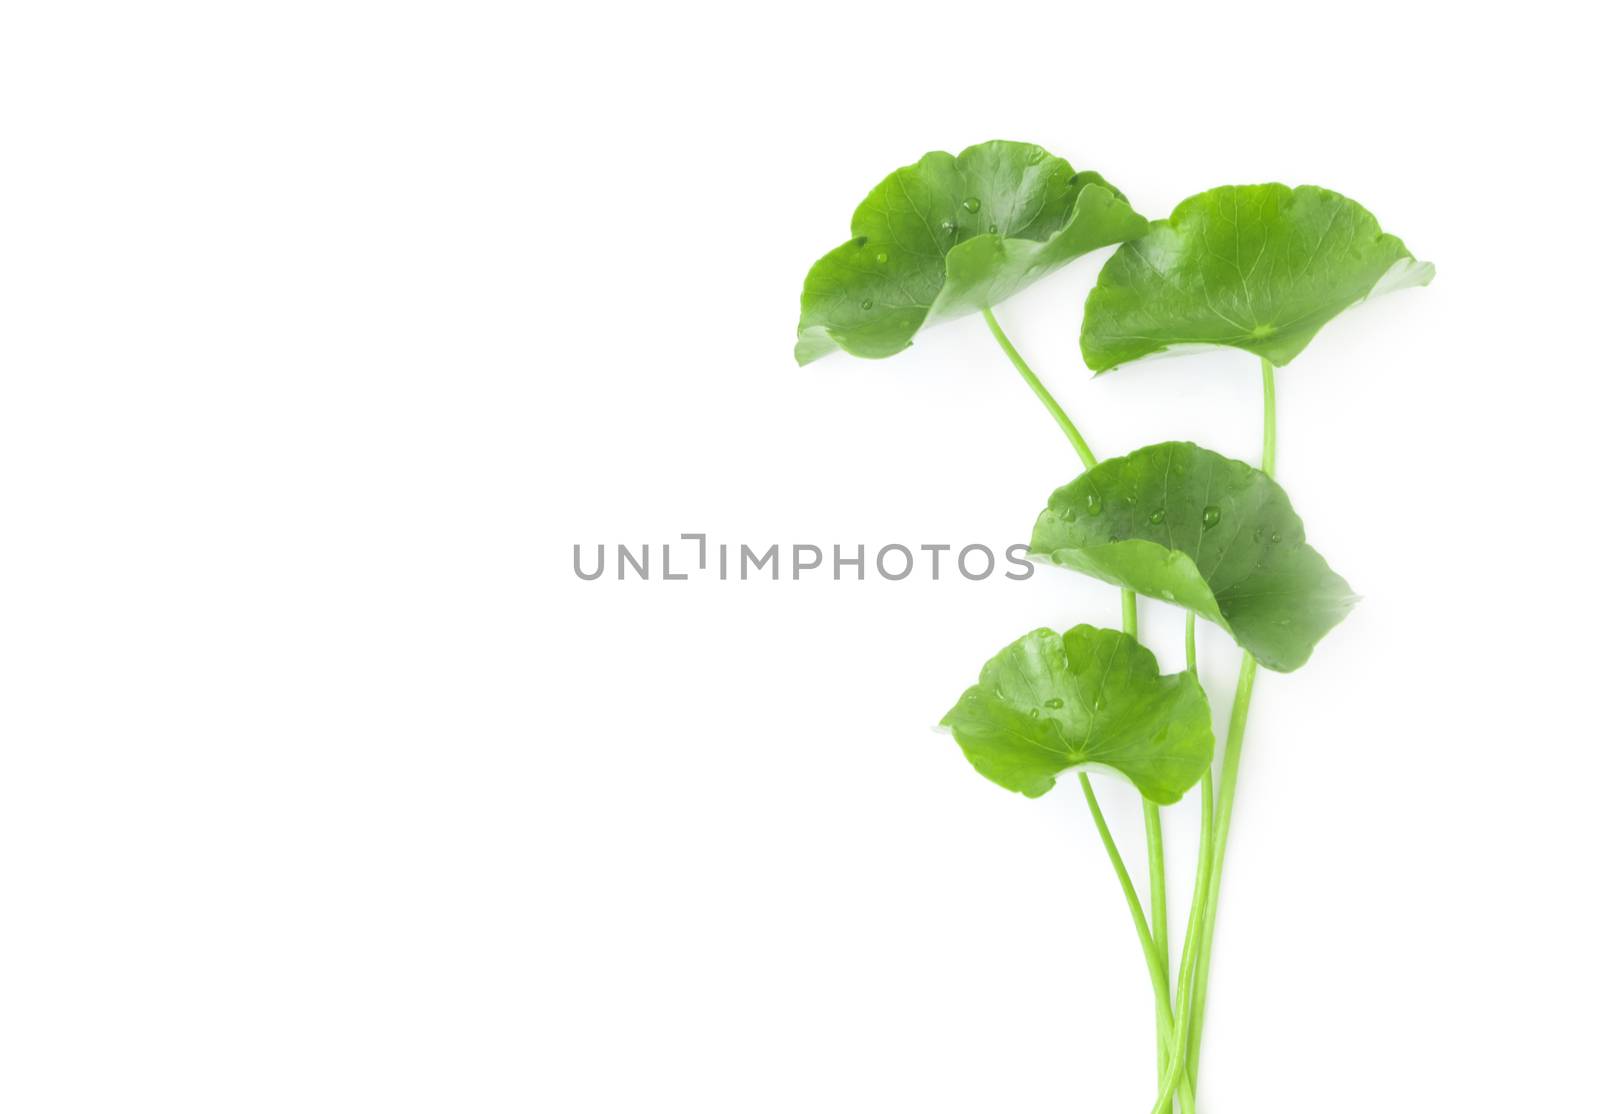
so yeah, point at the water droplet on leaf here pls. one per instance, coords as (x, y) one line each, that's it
(972, 204)
(883, 257)
(1211, 516)
(866, 303)
(1158, 516)
(1054, 702)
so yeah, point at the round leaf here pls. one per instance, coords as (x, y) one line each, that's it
(1050, 701)
(950, 235)
(1255, 267)
(1183, 524)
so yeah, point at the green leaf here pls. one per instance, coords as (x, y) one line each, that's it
(1255, 267)
(1183, 524)
(1050, 701)
(950, 235)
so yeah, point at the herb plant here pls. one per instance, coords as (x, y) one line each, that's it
(1259, 268)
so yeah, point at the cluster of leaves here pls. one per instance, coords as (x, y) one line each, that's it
(1258, 268)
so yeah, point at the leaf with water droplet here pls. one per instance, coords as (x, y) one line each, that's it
(941, 264)
(1261, 268)
(1215, 555)
(1106, 704)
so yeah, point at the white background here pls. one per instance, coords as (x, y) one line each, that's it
(326, 330)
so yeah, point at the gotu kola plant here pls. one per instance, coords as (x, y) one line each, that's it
(1260, 268)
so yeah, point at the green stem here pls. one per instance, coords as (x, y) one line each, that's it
(1158, 882)
(1154, 853)
(1155, 856)
(1177, 1070)
(1032, 380)
(1169, 1046)
(1153, 936)
(1269, 428)
(1175, 1073)
(1158, 980)
(1230, 765)
(1220, 825)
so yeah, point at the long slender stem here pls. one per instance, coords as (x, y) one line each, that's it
(1153, 935)
(1269, 426)
(1230, 763)
(1158, 979)
(1224, 816)
(1032, 380)
(1177, 1069)
(1169, 1037)
(1155, 857)
(1175, 1074)
(1158, 882)
(1152, 828)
